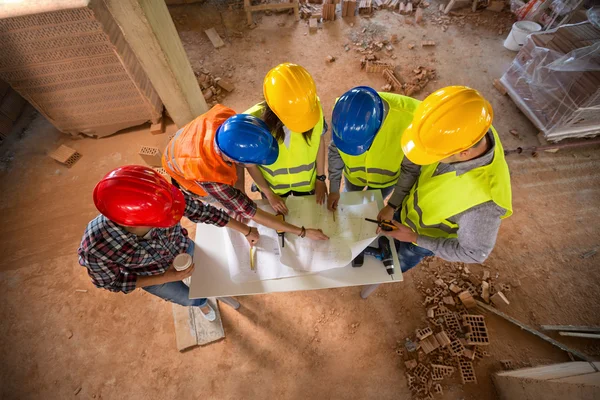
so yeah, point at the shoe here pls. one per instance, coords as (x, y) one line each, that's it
(212, 315)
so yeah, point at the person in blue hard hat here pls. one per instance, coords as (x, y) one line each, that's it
(366, 148)
(206, 156)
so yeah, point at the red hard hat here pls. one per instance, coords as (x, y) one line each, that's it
(139, 196)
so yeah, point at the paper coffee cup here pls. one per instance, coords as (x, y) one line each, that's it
(182, 262)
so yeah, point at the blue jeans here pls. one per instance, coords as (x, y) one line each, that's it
(410, 254)
(349, 187)
(176, 292)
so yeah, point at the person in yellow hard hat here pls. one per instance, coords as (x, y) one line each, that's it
(293, 113)
(454, 188)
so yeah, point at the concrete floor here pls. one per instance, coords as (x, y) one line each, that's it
(294, 345)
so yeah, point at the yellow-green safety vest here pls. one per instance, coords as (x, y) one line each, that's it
(296, 167)
(434, 199)
(379, 166)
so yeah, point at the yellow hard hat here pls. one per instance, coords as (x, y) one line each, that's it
(292, 95)
(448, 121)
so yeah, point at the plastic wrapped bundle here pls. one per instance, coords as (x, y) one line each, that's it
(555, 81)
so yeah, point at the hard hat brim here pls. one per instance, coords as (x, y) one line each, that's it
(304, 124)
(414, 150)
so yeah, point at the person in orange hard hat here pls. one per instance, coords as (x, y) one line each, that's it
(204, 156)
(136, 237)
(454, 188)
(293, 113)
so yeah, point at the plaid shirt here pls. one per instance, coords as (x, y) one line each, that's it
(231, 198)
(115, 257)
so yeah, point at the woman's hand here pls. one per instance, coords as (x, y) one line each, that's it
(320, 191)
(172, 275)
(316, 234)
(276, 202)
(253, 237)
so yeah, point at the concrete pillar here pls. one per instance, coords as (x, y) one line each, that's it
(151, 34)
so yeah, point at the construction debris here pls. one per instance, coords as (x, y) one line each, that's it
(328, 10)
(426, 43)
(65, 155)
(499, 300)
(348, 8)
(330, 59)
(500, 87)
(226, 85)
(214, 37)
(419, 15)
(214, 89)
(378, 66)
(158, 128)
(151, 156)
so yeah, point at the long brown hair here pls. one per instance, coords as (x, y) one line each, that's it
(276, 126)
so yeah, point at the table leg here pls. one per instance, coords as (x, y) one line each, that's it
(296, 11)
(367, 290)
(230, 301)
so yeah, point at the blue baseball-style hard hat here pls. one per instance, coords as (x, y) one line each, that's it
(357, 116)
(246, 139)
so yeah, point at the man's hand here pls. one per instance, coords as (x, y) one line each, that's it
(253, 237)
(332, 201)
(276, 202)
(172, 275)
(320, 191)
(316, 234)
(402, 233)
(386, 212)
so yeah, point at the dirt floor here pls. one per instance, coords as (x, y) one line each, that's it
(60, 343)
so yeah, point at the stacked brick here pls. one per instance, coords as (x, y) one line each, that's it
(76, 68)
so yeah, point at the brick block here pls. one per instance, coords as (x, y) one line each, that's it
(66, 155)
(423, 333)
(431, 312)
(500, 300)
(410, 364)
(226, 85)
(467, 373)
(158, 128)
(507, 364)
(470, 354)
(457, 348)
(485, 291)
(441, 370)
(418, 15)
(467, 299)
(163, 172)
(427, 43)
(438, 389)
(500, 87)
(477, 333)
(151, 156)
(442, 339)
(421, 373)
(429, 344)
(452, 322)
(313, 25)
(455, 288)
(448, 300)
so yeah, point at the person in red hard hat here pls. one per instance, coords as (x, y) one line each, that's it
(136, 237)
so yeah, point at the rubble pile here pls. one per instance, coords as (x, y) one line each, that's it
(214, 89)
(455, 337)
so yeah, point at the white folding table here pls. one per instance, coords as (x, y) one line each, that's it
(211, 277)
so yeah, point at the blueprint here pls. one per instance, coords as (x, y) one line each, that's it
(349, 234)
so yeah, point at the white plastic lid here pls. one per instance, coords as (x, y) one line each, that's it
(182, 261)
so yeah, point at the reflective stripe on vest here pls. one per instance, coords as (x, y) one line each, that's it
(295, 168)
(190, 156)
(379, 167)
(434, 199)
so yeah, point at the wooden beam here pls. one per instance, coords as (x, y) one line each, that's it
(269, 6)
(570, 328)
(579, 334)
(536, 333)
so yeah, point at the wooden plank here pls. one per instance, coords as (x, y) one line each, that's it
(587, 379)
(551, 372)
(534, 332)
(214, 37)
(272, 6)
(570, 328)
(185, 331)
(581, 335)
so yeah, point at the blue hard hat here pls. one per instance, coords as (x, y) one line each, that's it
(357, 116)
(246, 139)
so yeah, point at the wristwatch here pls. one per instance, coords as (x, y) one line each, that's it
(321, 178)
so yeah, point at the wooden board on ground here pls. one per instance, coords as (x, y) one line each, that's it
(214, 38)
(192, 329)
